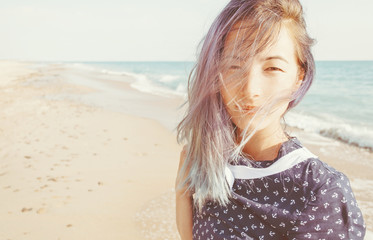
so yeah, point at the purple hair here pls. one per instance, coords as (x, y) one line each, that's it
(207, 127)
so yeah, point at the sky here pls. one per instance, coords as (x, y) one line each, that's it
(162, 30)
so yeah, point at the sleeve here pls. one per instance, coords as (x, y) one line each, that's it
(331, 213)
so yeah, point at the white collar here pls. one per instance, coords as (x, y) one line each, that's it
(291, 159)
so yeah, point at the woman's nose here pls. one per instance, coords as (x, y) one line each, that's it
(252, 87)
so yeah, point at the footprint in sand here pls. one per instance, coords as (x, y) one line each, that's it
(27, 157)
(52, 179)
(3, 173)
(100, 183)
(125, 139)
(26, 209)
(73, 136)
(41, 211)
(69, 225)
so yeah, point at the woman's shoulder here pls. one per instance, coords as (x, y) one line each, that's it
(314, 161)
(329, 198)
(329, 190)
(317, 174)
(314, 171)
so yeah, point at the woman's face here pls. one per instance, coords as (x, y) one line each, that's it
(272, 75)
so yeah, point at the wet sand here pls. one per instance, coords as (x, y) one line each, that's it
(85, 156)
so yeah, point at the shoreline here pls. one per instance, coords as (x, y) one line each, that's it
(87, 145)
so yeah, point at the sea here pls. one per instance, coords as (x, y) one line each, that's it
(337, 106)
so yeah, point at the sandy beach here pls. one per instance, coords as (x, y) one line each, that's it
(85, 156)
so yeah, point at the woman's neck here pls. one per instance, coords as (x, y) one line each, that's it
(265, 143)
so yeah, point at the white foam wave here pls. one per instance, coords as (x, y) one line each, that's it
(114, 72)
(143, 84)
(332, 127)
(141, 81)
(102, 70)
(168, 78)
(181, 88)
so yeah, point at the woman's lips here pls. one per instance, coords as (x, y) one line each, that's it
(247, 108)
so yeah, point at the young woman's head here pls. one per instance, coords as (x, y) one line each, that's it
(256, 89)
(255, 64)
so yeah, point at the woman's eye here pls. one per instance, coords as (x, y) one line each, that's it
(234, 67)
(274, 69)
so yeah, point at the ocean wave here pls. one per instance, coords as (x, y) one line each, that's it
(181, 89)
(331, 127)
(143, 82)
(103, 70)
(114, 72)
(167, 78)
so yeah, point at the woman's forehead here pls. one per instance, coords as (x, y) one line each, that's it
(238, 36)
(239, 42)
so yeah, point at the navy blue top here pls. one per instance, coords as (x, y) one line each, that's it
(310, 200)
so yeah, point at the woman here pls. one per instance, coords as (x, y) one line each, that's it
(241, 176)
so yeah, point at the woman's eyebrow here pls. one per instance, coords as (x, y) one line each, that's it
(233, 58)
(275, 57)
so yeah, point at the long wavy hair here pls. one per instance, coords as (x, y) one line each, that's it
(207, 128)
